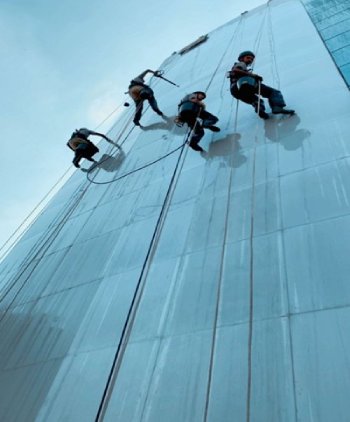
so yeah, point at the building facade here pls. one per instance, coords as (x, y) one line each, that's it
(200, 287)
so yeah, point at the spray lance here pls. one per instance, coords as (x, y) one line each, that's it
(157, 74)
(160, 73)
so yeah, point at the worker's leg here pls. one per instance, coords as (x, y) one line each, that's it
(139, 108)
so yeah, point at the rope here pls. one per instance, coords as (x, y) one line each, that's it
(30, 215)
(109, 115)
(139, 168)
(251, 272)
(259, 36)
(135, 302)
(42, 249)
(275, 72)
(224, 54)
(251, 240)
(58, 223)
(42, 201)
(123, 342)
(222, 261)
(119, 147)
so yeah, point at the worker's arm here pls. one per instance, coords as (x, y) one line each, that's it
(99, 134)
(236, 71)
(142, 75)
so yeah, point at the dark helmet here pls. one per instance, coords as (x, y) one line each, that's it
(246, 53)
(201, 92)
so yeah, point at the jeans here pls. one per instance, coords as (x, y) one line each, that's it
(85, 151)
(147, 95)
(250, 96)
(198, 129)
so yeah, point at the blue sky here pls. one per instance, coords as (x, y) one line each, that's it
(67, 64)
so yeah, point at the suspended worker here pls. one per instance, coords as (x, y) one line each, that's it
(82, 146)
(246, 86)
(192, 111)
(140, 92)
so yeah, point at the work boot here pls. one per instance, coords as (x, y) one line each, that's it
(76, 162)
(281, 110)
(263, 114)
(213, 128)
(159, 113)
(196, 147)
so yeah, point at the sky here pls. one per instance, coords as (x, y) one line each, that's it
(66, 64)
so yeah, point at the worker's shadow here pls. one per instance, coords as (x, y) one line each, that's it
(109, 163)
(167, 124)
(284, 130)
(229, 148)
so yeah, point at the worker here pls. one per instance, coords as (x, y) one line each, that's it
(140, 92)
(246, 85)
(192, 111)
(82, 146)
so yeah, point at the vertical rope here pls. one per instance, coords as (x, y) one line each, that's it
(251, 273)
(144, 272)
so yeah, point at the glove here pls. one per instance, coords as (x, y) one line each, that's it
(258, 78)
(178, 121)
(158, 73)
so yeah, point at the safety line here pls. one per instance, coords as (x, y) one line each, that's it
(139, 289)
(30, 215)
(273, 54)
(38, 247)
(43, 249)
(251, 270)
(54, 186)
(109, 115)
(251, 291)
(223, 56)
(139, 168)
(221, 273)
(218, 293)
(275, 72)
(32, 253)
(135, 301)
(39, 204)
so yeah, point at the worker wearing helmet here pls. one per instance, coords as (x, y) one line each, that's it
(244, 85)
(192, 111)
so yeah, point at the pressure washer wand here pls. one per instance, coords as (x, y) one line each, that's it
(158, 74)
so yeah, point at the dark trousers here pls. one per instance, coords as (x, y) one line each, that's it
(85, 151)
(198, 129)
(146, 94)
(249, 95)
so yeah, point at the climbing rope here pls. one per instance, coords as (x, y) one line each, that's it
(109, 115)
(144, 273)
(40, 252)
(251, 238)
(39, 204)
(275, 72)
(120, 145)
(140, 168)
(57, 224)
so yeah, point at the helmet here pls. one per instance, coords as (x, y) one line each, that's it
(246, 53)
(200, 92)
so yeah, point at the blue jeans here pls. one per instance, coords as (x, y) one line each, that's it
(146, 94)
(250, 96)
